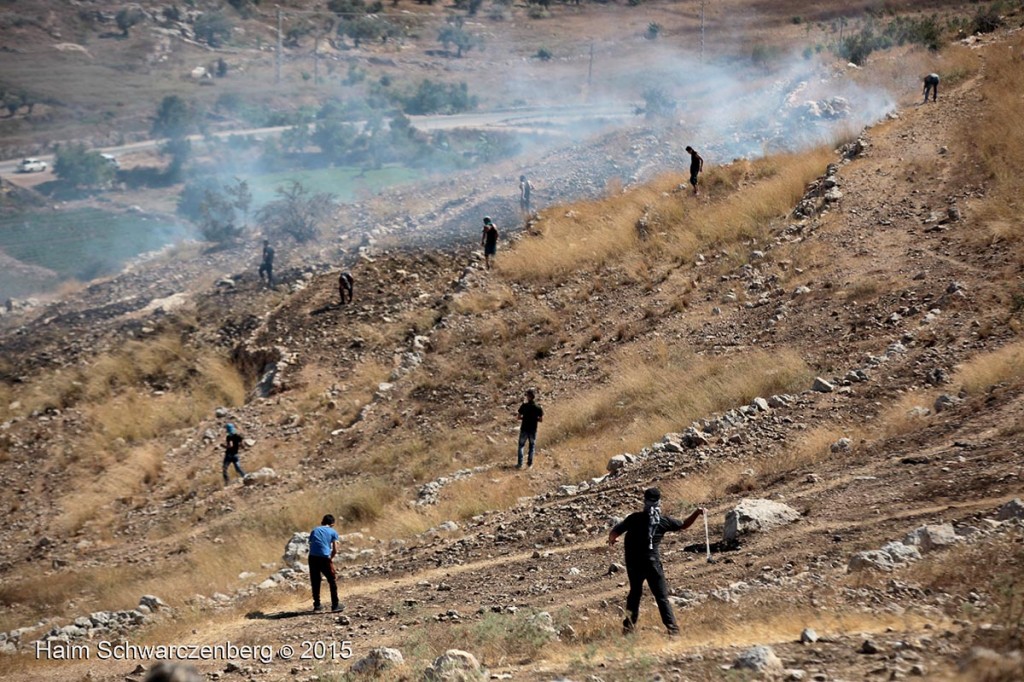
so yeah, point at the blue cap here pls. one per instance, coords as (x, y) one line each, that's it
(230, 428)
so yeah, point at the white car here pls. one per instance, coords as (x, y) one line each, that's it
(111, 161)
(32, 166)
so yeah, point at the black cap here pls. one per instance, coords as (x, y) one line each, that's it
(652, 495)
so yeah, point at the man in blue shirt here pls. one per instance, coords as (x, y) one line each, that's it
(323, 545)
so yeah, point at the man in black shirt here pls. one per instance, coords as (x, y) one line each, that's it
(644, 531)
(232, 444)
(696, 166)
(489, 240)
(530, 414)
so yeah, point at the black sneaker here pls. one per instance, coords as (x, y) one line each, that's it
(627, 627)
(318, 609)
(337, 608)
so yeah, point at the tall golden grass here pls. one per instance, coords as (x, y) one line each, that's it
(996, 138)
(591, 234)
(1005, 364)
(645, 397)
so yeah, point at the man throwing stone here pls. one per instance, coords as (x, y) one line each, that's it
(644, 531)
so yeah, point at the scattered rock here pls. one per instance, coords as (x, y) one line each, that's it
(1014, 509)
(822, 386)
(760, 659)
(454, 665)
(378, 660)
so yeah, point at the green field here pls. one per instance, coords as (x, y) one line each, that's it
(347, 183)
(84, 243)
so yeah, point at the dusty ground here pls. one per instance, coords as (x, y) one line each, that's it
(876, 253)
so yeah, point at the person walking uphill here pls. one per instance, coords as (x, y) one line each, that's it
(232, 444)
(530, 414)
(644, 531)
(323, 545)
(489, 240)
(696, 166)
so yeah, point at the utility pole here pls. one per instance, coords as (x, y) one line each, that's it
(702, 31)
(316, 58)
(277, 60)
(590, 67)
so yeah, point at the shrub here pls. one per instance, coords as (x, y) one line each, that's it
(439, 98)
(213, 27)
(77, 166)
(543, 54)
(296, 212)
(653, 30)
(986, 20)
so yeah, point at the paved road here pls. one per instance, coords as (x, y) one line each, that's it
(558, 120)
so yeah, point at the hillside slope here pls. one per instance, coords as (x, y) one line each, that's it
(892, 293)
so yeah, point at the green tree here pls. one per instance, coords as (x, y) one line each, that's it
(295, 139)
(217, 218)
(128, 17)
(12, 101)
(241, 198)
(437, 98)
(453, 34)
(174, 118)
(80, 167)
(296, 212)
(213, 27)
(334, 137)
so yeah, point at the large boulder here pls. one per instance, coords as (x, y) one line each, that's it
(932, 537)
(264, 475)
(377, 661)
(1014, 509)
(872, 559)
(760, 659)
(757, 516)
(296, 551)
(454, 665)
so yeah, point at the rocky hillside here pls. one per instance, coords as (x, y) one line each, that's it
(821, 349)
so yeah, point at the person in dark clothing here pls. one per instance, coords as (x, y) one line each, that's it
(931, 83)
(489, 240)
(323, 545)
(696, 166)
(345, 284)
(232, 444)
(267, 265)
(530, 414)
(644, 532)
(525, 188)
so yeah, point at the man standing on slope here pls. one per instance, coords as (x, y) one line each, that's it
(644, 531)
(323, 545)
(232, 444)
(530, 414)
(489, 240)
(696, 166)
(267, 264)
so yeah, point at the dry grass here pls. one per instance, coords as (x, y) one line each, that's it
(1003, 365)
(121, 483)
(737, 478)
(591, 234)
(645, 397)
(998, 141)
(908, 413)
